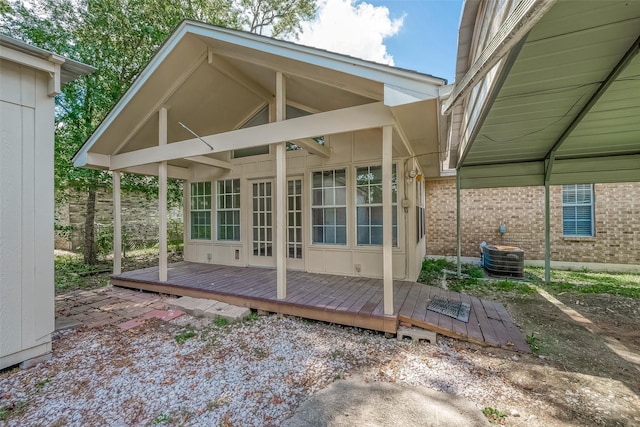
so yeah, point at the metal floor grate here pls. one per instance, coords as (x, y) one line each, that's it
(456, 309)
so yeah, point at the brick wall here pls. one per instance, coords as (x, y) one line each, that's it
(139, 219)
(521, 210)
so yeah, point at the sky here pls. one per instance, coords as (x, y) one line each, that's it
(419, 35)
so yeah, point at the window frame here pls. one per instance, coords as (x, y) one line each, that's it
(198, 211)
(394, 204)
(313, 207)
(235, 197)
(575, 205)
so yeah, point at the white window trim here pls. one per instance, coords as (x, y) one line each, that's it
(190, 195)
(346, 206)
(356, 206)
(218, 209)
(592, 206)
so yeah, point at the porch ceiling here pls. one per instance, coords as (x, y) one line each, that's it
(213, 80)
(570, 99)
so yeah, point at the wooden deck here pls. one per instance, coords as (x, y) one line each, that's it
(352, 301)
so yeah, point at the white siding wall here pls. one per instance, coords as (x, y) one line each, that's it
(348, 151)
(26, 214)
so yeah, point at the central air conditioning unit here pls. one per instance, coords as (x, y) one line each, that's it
(503, 261)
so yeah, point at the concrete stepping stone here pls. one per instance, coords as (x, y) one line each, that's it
(210, 308)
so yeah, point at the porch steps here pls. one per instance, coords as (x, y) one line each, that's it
(202, 307)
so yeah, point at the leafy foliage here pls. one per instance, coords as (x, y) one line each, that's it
(118, 37)
(277, 17)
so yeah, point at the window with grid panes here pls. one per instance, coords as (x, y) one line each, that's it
(228, 209)
(200, 208)
(329, 207)
(369, 205)
(577, 210)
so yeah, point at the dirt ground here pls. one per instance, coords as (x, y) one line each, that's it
(591, 348)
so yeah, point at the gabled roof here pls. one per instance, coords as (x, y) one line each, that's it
(213, 79)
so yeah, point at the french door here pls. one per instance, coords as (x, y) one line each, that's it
(295, 232)
(262, 232)
(262, 245)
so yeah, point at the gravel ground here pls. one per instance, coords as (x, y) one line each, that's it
(255, 373)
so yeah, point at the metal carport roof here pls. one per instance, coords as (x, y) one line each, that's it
(566, 106)
(563, 106)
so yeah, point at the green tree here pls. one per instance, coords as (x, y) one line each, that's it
(118, 37)
(276, 17)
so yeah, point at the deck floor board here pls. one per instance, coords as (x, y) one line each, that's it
(353, 301)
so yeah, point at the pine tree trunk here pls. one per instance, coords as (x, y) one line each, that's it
(89, 250)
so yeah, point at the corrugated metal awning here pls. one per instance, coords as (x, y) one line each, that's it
(568, 107)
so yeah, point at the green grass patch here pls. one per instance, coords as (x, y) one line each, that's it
(590, 282)
(187, 333)
(494, 416)
(72, 273)
(431, 271)
(534, 343)
(485, 286)
(221, 322)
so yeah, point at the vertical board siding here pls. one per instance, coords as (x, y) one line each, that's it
(26, 214)
(10, 228)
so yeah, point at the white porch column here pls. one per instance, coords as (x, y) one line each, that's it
(117, 225)
(387, 234)
(281, 193)
(162, 197)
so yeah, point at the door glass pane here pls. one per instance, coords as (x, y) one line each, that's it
(262, 219)
(294, 226)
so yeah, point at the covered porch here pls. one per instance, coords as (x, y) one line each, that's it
(351, 301)
(292, 158)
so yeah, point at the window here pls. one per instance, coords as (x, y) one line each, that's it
(229, 209)
(329, 207)
(369, 205)
(577, 210)
(260, 118)
(200, 210)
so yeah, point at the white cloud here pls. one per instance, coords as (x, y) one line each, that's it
(352, 28)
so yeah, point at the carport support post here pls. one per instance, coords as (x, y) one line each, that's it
(162, 197)
(387, 234)
(281, 193)
(458, 226)
(547, 233)
(117, 225)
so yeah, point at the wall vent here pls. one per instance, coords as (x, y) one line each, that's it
(503, 261)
